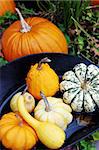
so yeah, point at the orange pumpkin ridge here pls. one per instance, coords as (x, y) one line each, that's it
(14, 129)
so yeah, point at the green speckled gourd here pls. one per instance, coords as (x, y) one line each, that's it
(80, 88)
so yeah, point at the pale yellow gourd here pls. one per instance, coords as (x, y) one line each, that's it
(28, 99)
(52, 109)
(48, 133)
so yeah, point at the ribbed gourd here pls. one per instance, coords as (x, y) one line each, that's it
(41, 77)
(28, 99)
(15, 133)
(52, 109)
(80, 88)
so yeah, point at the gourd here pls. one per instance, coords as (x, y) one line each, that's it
(42, 78)
(31, 36)
(80, 87)
(15, 133)
(28, 99)
(48, 133)
(52, 109)
(7, 5)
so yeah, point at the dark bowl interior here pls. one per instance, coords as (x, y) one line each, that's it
(12, 80)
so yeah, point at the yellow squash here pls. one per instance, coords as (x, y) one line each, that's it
(52, 109)
(48, 133)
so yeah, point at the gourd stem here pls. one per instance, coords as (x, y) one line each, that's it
(47, 106)
(44, 60)
(20, 120)
(25, 26)
(23, 92)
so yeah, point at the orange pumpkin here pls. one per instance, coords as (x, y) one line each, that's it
(94, 2)
(42, 78)
(31, 36)
(7, 5)
(15, 133)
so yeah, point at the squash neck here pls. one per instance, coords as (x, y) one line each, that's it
(25, 27)
(26, 116)
(47, 106)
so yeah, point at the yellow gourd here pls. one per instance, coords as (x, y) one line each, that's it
(42, 78)
(52, 109)
(48, 133)
(28, 99)
(15, 133)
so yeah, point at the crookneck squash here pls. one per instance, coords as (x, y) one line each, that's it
(41, 77)
(80, 88)
(49, 134)
(31, 36)
(7, 5)
(15, 133)
(52, 109)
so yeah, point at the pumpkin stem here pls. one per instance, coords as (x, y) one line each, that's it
(25, 26)
(44, 60)
(47, 106)
(19, 119)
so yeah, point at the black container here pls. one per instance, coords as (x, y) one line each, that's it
(12, 80)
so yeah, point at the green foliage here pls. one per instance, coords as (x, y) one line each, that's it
(2, 61)
(62, 28)
(6, 20)
(73, 8)
(8, 16)
(86, 145)
(96, 136)
(85, 38)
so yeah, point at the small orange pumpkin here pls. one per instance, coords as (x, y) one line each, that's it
(7, 5)
(42, 78)
(31, 36)
(15, 133)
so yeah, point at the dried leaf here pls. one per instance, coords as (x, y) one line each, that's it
(95, 50)
(83, 120)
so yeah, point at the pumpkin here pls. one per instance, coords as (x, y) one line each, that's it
(49, 134)
(7, 5)
(42, 78)
(52, 109)
(15, 133)
(31, 36)
(80, 88)
(94, 2)
(28, 99)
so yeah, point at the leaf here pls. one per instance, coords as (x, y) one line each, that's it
(61, 26)
(96, 136)
(67, 38)
(2, 61)
(81, 42)
(87, 145)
